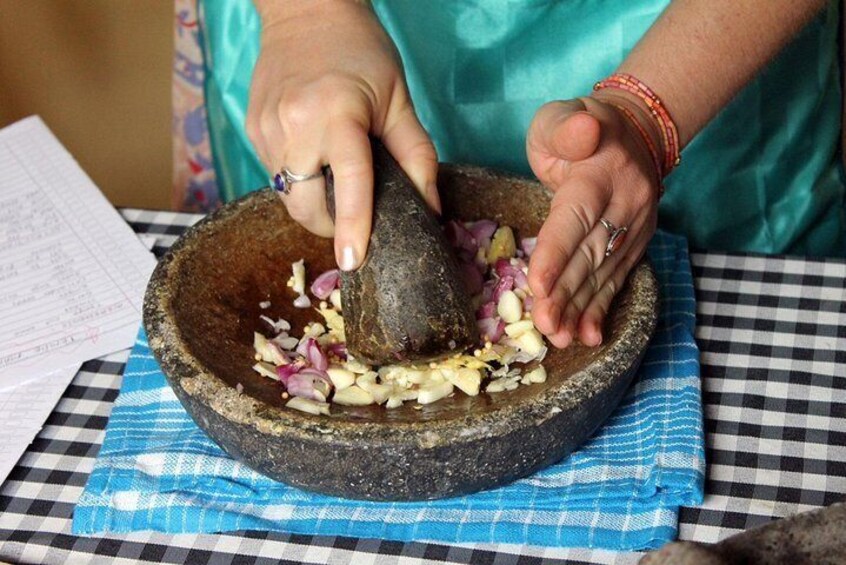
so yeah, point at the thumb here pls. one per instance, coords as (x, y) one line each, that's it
(564, 130)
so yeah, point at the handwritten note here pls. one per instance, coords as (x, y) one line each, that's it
(72, 272)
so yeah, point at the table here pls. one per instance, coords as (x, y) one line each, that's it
(772, 331)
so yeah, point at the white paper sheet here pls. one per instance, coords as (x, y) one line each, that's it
(23, 411)
(72, 272)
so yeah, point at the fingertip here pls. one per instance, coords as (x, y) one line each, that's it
(590, 332)
(348, 257)
(561, 338)
(433, 199)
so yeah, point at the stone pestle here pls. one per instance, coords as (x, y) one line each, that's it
(407, 301)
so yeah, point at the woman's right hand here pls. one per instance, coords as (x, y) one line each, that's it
(326, 77)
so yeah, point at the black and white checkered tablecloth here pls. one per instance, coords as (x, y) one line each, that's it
(773, 337)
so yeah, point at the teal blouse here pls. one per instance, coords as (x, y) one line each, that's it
(763, 176)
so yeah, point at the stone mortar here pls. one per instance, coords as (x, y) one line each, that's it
(202, 306)
(812, 538)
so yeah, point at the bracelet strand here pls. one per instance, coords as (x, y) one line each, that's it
(666, 125)
(653, 151)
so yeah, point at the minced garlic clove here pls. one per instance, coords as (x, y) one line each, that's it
(341, 378)
(393, 402)
(379, 392)
(434, 392)
(531, 342)
(335, 299)
(467, 380)
(266, 370)
(509, 308)
(308, 406)
(537, 375)
(502, 246)
(298, 280)
(353, 396)
(518, 328)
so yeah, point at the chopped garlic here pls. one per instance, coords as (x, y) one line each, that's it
(537, 375)
(509, 308)
(496, 385)
(267, 351)
(502, 246)
(308, 406)
(467, 380)
(368, 377)
(314, 330)
(298, 280)
(335, 299)
(334, 321)
(356, 367)
(353, 396)
(286, 342)
(266, 370)
(434, 392)
(379, 392)
(341, 378)
(531, 342)
(415, 377)
(518, 328)
(393, 402)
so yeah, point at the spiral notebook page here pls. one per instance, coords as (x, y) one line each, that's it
(72, 272)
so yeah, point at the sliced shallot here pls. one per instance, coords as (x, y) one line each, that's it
(472, 277)
(310, 383)
(504, 268)
(486, 310)
(491, 329)
(461, 239)
(527, 244)
(285, 372)
(482, 230)
(504, 284)
(323, 285)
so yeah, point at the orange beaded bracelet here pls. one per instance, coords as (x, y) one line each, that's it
(666, 125)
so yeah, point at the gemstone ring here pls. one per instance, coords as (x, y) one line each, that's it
(616, 236)
(283, 180)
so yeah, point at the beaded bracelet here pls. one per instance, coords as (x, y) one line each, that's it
(666, 125)
(656, 159)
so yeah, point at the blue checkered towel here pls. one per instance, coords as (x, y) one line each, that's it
(158, 471)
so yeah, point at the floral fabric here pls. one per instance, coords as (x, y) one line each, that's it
(195, 187)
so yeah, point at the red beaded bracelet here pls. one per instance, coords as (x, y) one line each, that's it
(666, 125)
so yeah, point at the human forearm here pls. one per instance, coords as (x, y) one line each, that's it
(700, 53)
(272, 10)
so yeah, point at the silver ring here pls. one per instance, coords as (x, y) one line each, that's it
(616, 236)
(283, 180)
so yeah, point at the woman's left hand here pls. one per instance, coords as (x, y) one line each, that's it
(598, 166)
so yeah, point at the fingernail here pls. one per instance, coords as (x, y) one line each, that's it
(349, 261)
(432, 193)
(596, 338)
